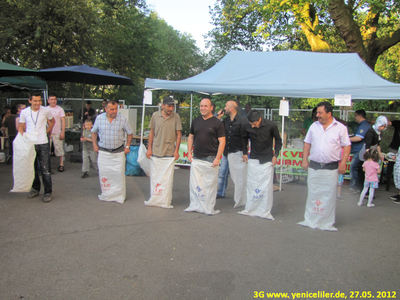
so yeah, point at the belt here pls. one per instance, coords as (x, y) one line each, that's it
(321, 166)
(116, 150)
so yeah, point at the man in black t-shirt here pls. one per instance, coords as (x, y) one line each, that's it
(207, 136)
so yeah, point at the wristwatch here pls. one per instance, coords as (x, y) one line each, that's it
(127, 147)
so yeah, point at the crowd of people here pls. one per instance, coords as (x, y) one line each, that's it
(231, 142)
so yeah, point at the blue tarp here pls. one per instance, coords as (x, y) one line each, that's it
(295, 74)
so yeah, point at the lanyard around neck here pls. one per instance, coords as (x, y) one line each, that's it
(37, 116)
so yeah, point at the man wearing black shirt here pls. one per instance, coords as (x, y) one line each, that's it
(232, 161)
(262, 160)
(207, 136)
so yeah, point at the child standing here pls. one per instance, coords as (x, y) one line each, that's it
(371, 169)
(89, 156)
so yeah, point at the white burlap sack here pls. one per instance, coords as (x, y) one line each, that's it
(24, 155)
(259, 190)
(112, 176)
(143, 161)
(238, 170)
(321, 200)
(203, 187)
(161, 181)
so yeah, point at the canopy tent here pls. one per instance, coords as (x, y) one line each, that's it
(294, 74)
(13, 70)
(21, 83)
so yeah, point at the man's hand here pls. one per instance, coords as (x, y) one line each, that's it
(305, 164)
(245, 158)
(220, 114)
(83, 139)
(62, 135)
(149, 153)
(127, 150)
(190, 157)
(342, 168)
(215, 163)
(176, 155)
(95, 148)
(274, 160)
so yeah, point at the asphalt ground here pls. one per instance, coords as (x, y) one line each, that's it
(78, 247)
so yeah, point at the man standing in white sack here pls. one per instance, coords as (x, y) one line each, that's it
(163, 150)
(325, 138)
(36, 118)
(111, 128)
(58, 133)
(207, 136)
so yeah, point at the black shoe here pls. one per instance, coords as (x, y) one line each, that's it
(85, 175)
(47, 198)
(395, 197)
(33, 193)
(218, 196)
(9, 160)
(397, 201)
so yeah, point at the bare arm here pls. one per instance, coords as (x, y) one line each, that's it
(343, 161)
(62, 134)
(150, 144)
(177, 144)
(128, 143)
(94, 141)
(21, 128)
(355, 139)
(221, 148)
(51, 125)
(190, 146)
(306, 152)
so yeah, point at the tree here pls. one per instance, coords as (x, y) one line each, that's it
(368, 28)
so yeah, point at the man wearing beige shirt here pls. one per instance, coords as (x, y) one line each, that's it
(163, 150)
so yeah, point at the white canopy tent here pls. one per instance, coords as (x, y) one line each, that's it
(295, 74)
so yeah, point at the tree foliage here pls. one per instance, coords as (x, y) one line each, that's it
(368, 28)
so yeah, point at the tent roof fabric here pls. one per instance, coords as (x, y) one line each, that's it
(295, 74)
(22, 83)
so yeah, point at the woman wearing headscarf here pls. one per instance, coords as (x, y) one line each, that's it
(373, 135)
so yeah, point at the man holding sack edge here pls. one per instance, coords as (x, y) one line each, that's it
(207, 136)
(260, 170)
(163, 150)
(111, 128)
(325, 138)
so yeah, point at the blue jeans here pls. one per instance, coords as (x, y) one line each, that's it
(354, 168)
(42, 166)
(223, 176)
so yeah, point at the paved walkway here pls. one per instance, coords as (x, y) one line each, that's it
(78, 247)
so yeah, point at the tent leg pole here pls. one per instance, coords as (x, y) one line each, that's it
(281, 161)
(142, 129)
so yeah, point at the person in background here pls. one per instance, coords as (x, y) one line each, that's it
(58, 133)
(9, 126)
(308, 122)
(20, 107)
(89, 156)
(247, 108)
(88, 111)
(371, 168)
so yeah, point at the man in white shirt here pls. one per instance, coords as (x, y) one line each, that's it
(35, 118)
(330, 147)
(58, 132)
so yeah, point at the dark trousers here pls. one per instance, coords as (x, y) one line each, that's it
(10, 145)
(42, 166)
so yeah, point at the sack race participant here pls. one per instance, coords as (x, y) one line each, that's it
(111, 128)
(238, 170)
(232, 160)
(161, 182)
(259, 190)
(325, 138)
(260, 171)
(163, 150)
(24, 155)
(207, 136)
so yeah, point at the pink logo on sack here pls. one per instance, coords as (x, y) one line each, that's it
(105, 186)
(318, 210)
(157, 191)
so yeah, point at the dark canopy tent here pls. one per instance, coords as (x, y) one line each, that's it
(18, 83)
